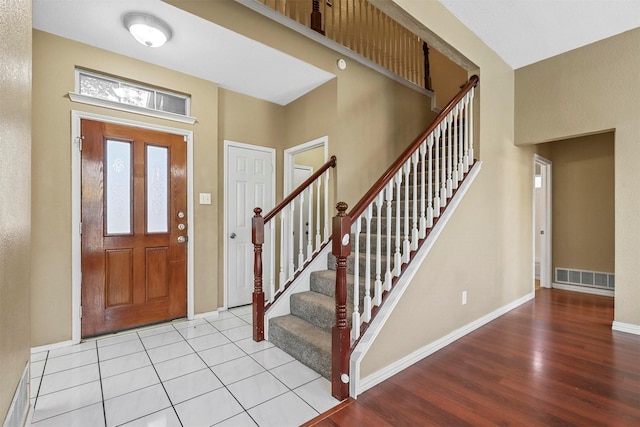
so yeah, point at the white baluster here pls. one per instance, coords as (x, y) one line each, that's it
(471, 153)
(290, 248)
(309, 226)
(318, 206)
(414, 217)
(272, 259)
(301, 232)
(406, 244)
(377, 286)
(430, 181)
(283, 252)
(466, 133)
(423, 220)
(460, 143)
(355, 317)
(449, 154)
(388, 277)
(326, 206)
(436, 173)
(443, 167)
(397, 264)
(367, 267)
(454, 175)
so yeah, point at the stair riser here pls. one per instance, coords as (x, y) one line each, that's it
(327, 286)
(362, 264)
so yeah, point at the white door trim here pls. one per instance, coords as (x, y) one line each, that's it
(289, 154)
(545, 255)
(76, 198)
(227, 144)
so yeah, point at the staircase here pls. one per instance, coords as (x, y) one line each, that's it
(329, 315)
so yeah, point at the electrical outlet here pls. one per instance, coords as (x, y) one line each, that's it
(464, 297)
(205, 198)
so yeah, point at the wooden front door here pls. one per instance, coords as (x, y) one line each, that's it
(134, 219)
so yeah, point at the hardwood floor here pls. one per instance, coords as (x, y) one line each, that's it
(553, 361)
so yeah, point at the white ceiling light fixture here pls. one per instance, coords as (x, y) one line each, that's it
(147, 29)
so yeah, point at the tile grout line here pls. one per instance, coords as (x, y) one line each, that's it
(104, 410)
(160, 380)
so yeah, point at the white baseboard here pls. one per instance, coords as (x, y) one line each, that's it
(583, 289)
(215, 313)
(53, 346)
(387, 372)
(626, 327)
(19, 409)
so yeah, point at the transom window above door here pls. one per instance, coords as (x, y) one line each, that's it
(120, 94)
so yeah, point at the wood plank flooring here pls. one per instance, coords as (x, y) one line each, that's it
(553, 361)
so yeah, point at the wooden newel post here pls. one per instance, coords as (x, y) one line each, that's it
(341, 333)
(316, 17)
(257, 237)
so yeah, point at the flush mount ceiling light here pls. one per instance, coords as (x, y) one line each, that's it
(147, 29)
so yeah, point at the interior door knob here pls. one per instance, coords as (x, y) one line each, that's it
(182, 239)
(232, 235)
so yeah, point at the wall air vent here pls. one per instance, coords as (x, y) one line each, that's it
(592, 279)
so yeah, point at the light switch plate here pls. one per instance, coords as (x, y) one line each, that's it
(205, 198)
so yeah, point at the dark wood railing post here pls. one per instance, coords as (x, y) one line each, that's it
(316, 17)
(427, 67)
(257, 237)
(341, 333)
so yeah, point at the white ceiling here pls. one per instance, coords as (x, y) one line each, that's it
(199, 48)
(522, 32)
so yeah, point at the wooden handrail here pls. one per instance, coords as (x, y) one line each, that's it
(273, 212)
(366, 200)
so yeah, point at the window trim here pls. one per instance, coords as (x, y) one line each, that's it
(76, 96)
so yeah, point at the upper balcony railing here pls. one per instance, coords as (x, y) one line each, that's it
(363, 28)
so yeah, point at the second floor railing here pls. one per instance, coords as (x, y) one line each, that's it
(365, 29)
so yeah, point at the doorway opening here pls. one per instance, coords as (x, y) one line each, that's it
(542, 209)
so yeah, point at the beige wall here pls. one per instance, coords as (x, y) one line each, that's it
(371, 110)
(15, 191)
(359, 108)
(583, 214)
(54, 59)
(590, 90)
(486, 249)
(446, 77)
(248, 120)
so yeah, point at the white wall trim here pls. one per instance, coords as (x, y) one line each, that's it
(76, 198)
(583, 289)
(400, 287)
(214, 314)
(20, 409)
(227, 144)
(114, 105)
(626, 327)
(429, 349)
(54, 346)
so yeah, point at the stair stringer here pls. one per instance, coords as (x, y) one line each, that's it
(302, 283)
(402, 284)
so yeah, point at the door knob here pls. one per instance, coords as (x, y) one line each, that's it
(232, 235)
(182, 239)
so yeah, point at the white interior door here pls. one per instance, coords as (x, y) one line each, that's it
(250, 183)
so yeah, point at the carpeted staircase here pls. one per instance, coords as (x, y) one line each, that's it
(306, 333)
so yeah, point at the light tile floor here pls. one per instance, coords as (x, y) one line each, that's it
(196, 373)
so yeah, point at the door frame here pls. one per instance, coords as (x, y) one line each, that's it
(225, 248)
(546, 277)
(290, 153)
(76, 205)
